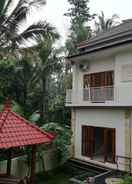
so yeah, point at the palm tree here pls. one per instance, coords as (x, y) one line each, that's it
(50, 63)
(32, 78)
(11, 19)
(104, 24)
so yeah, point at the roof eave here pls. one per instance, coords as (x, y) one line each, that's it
(99, 48)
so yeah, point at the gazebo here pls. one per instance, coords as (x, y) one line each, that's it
(15, 131)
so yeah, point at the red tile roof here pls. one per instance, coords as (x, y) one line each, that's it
(16, 131)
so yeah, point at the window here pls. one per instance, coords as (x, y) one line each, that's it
(99, 79)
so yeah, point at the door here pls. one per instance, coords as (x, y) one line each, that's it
(87, 141)
(109, 145)
(98, 143)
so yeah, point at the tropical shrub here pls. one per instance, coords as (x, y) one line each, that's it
(127, 180)
(62, 139)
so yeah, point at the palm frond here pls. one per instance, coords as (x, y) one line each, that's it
(19, 15)
(2, 19)
(7, 6)
(12, 19)
(37, 2)
(20, 3)
(8, 23)
(34, 31)
(105, 24)
(21, 11)
(109, 24)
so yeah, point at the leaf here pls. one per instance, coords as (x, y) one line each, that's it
(37, 2)
(12, 19)
(33, 31)
(34, 117)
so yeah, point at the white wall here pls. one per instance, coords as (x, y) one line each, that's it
(77, 83)
(117, 62)
(100, 118)
(105, 64)
(101, 65)
(123, 87)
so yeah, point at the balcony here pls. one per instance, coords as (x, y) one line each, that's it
(92, 95)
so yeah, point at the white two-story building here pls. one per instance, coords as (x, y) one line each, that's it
(101, 98)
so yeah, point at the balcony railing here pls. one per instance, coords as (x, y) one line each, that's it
(98, 94)
(92, 94)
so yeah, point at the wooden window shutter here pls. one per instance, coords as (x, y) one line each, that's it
(87, 141)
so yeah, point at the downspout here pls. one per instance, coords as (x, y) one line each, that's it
(130, 136)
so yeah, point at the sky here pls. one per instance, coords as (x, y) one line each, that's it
(55, 9)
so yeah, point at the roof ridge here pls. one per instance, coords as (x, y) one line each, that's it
(33, 125)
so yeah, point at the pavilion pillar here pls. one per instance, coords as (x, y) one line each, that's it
(33, 164)
(8, 171)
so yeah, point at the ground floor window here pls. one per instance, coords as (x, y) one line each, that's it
(98, 143)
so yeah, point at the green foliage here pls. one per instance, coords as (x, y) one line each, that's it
(62, 140)
(80, 16)
(17, 108)
(79, 11)
(57, 112)
(6, 77)
(7, 62)
(105, 24)
(12, 18)
(2, 3)
(127, 180)
(36, 85)
(68, 81)
(55, 177)
(51, 63)
(34, 117)
(35, 80)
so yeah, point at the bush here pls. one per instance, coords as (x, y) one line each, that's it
(62, 139)
(127, 180)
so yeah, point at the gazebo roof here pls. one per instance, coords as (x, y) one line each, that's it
(15, 131)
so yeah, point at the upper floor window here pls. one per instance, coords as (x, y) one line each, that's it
(99, 79)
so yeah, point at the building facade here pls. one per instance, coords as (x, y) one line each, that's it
(101, 98)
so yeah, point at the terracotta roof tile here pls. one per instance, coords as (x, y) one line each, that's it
(16, 131)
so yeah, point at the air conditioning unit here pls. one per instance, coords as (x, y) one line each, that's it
(84, 67)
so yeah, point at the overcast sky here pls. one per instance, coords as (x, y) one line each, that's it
(55, 9)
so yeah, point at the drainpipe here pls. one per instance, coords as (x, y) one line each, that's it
(130, 126)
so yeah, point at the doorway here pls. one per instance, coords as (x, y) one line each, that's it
(98, 143)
